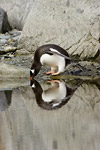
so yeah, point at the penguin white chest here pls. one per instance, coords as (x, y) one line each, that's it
(52, 60)
(56, 93)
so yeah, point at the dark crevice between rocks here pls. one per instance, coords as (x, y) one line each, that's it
(4, 23)
(10, 51)
(96, 58)
(96, 55)
(99, 39)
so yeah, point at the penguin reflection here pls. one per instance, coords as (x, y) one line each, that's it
(54, 97)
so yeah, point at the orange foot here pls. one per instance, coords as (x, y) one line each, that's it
(54, 81)
(56, 73)
(50, 72)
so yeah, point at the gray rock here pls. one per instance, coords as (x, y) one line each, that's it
(17, 11)
(59, 22)
(68, 3)
(79, 10)
(4, 24)
(64, 24)
(9, 42)
(11, 71)
(10, 83)
(4, 36)
(3, 41)
(7, 49)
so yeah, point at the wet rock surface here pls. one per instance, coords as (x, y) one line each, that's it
(11, 71)
(82, 70)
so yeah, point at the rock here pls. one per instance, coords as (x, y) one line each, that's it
(85, 48)
(4, 36)
(9, 42)
(59, 22)
(3, 41)
(10, 83)
(7, 49)
(98, 68)
(15, 44)
(22, 52)
(11, 71)
(17, 15)
(4, 24)
(95, 30)
(63, 24)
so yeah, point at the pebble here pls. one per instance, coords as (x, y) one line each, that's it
(98, 68)
(4, 36)
(3, 41)
(9, 49)
(89, 69)
(77, 72)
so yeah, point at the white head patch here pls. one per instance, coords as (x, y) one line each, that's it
(54, 50)
(33, 86)
(56, 104)
(32, 70)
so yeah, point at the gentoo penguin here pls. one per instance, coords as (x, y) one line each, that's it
(55, 96)
(51, 55)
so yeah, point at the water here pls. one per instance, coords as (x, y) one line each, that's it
(53, 115)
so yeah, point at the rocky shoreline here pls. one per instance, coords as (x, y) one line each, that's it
(8, 43)
(10, 51)
(16, 58)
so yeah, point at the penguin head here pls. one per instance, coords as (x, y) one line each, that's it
(34, 70)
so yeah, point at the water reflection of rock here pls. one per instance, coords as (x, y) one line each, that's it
(89, 93)
(5, 99)
(55, 96)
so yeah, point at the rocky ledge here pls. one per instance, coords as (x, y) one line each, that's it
(16, 62)
(8, 43)
(11, 63)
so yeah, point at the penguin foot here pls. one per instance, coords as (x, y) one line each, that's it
(49, 72)
(54, 81)
(56, 73)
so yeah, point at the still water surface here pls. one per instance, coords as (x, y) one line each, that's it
(51, 115)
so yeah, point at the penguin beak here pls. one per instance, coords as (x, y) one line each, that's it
(31, 75)
(31, 78)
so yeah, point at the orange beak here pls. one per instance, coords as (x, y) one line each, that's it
(31, 78)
